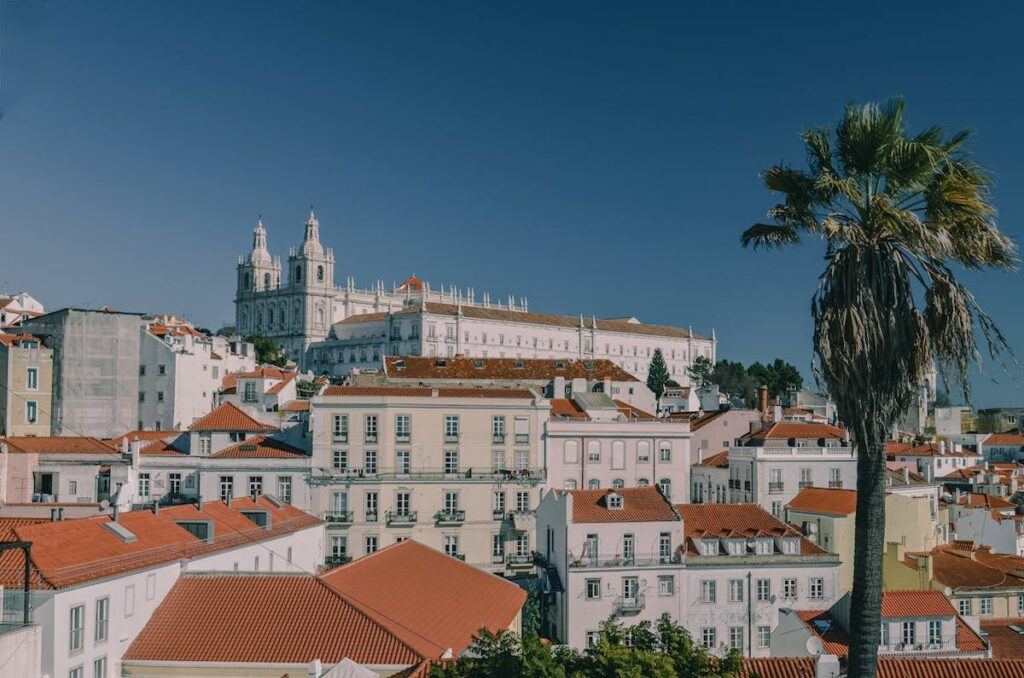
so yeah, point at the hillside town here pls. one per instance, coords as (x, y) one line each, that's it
(372, 481)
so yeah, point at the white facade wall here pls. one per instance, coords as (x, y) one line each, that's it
(751, 470)
(721, 433)
(938, 465)
(582, 454)
(979, 526)
(709, 485)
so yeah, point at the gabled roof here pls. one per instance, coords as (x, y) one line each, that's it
(279, 386)
(736, 521)
(260, 447)
(639, 505)
(925, 450)
(784, 430)
(273, 619)
(1005, 440)
(59, 445)
(425, 392)
(630, 412)
(984, 501)
(141, 435)
(824, 500)
(228, 417)
(163, 447)
(1006, 642)
(12, 339)
(509, 369)
(720, 460)
(915, 603)
(564, 408)
(950, 668)
(72, 552)
(432, 601)
(965, 569)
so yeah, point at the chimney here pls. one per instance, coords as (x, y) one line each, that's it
(315, 668)
(906, 475)
(826, 666)
(117, 512)
(942, 447)
(199, 502)
(762, 399)
(227, 499)
(156, 507)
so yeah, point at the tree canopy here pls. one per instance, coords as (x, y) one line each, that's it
(267, 350)
(657, 375)
(740, 381)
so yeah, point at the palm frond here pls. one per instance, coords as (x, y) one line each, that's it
(769, 236)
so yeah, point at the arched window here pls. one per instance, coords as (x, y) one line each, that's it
(643, 482)
(259, 318)
(319, 273)
(618, 482)
(594, 484)
(593, 451)
(298, 274)
(598, 387)
(666, 487)
(320, 315)
(270, 315)
(246, 281)
(570, 484)
(266, 281)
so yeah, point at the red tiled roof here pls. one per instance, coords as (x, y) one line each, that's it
(916, 603)
(263, 372)
(967, 639)
(71, 552)
(736, 520)
(295, 406)
(269, 619)
(985, 501)
(1006, 643)
(1005, 440)
(260, 447)
(162, 447)
(279, 386)
(828, 501)
(228, 417)
(926, 450)
(425, 392)
(950, 668)
(58, 445)
(794, 429)
(639, 505)
(631, 412)
(432, 601)
(412, 283)
(778, 667)
(959, 570)
(720, 460)
(563, 408)
(834, 639)
(142, 436)
(511, 369)
(12, 339)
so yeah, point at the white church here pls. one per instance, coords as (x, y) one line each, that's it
(333, 329)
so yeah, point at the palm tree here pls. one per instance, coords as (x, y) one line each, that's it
(897, 213)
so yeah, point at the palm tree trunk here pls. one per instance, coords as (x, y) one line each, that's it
(866, 598)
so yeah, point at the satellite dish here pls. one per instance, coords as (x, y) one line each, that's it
(104, 505)
(815, 646)
(946, 591)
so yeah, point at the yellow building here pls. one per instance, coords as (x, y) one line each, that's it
(26, 385)
(827, 516)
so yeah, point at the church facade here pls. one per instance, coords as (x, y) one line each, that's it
(333, 329)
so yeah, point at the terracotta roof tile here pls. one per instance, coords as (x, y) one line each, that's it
(162, 448)
(142, 436)
(1005, 440)
(295, 406)
(720, 460)
(926, 450)
(959, 570)
(430, 600)
(12, 339)
(279, 386)
(779, 667)
(1006, 643)
(631, 412)
(639, 505)
(228, 417)
(736, 520)
(264, 619)
(834, 639)
(916, 603)
(784, 430)
(950, 668)
(59, 445)
(425, 392)
(985, 501)
(564, 408)
(828, 501)
(260, 447)
(512, 369)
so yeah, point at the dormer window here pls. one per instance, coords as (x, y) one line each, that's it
(614, 501)
(737, 547)
(709, 547)
(559, 365)
(790, 546)
(442, 363)
(764, 547)
(518, 364)
(479, 364)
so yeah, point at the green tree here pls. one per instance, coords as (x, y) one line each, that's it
(897, 214)
(267, 350)
(700, 372)
(227, 331)
(733, 378)
(657, 374)
(778, 376)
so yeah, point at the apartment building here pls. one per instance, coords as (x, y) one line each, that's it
(592, 441)
(988, 521)
(915, 625)
(714, 432)
(458, 469)
(932, 460)
(14, 308)
(1004, 447)
(709, 480)
(95, 582)
(61, 470)
(26, 385)
(264, 389)
(769, 466)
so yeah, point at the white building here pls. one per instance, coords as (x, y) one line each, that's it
(713, 432)
(1004, 447)
(770, 465)
(721, 571)
(96, 581)
(1001, 530)
(60, 470)
(333, 329)
(591, 441)
(932, 460)
(709, 480)
(180, 371)
(264, 389)
(17, 307)
(458, 469)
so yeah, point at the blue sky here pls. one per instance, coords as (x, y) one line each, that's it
(595, 158)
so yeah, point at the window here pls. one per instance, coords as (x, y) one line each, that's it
(174, 483)
(735, 590)
(594, 452)
(205, 443)
(523, 501)
(102, 619)
(834, 479)
(666, 585)
(665, 547)
(227, 487)
(403, 462)
(498, 429)
(159, 396)
(77, 672)
(934, 632)
(615, 501)
(340, 428)
(370, 544)
(255, 485)
(370, 462)
(590, 546)
(451, 428)
(402, 503)
(593, 589)
(707, 637)
(144, 486)
(32, 378)
(498, 504)
(150, 586)
(72, 487)
(142, 396)
(249, 394)
(707, 591)
(370, 506)
(522, 430)
(339, 459)
(764, 589)
(736, 638)
(805, 478)
(593, 637)
(817, 588)
(451, 461)
(764, 634)
(31, 411)
(99, 667)
(498, 547)
(142, 370)
(963, 606)
(451, 502)
(666, 487)
(884, 639)
(339, 547)
(161, 369)
(129, 600)
(284, 489)
(451, 544)
(1020, 603)
(77, 628)
(665, 453)
(789, 588)
(986, 606)
(403, 427)
(777, 509)
(909, 634)
(370, 428)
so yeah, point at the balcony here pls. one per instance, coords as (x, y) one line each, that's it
(451, 438)
(498, 438)
(835, 484)
(630, 604)
(328, 476)
(497, 559)
(457, 556)
(454, 517)
(518, 562)
(498, 515)
(776, 487)
(338, 516)
(402, 437)
(400, 517)
(370, 438)
(371, 516)
(619, 560)
(334, 561)
(805, 483)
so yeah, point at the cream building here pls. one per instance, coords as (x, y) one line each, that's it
(333, 329)
(26, 385)
(458, 469)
